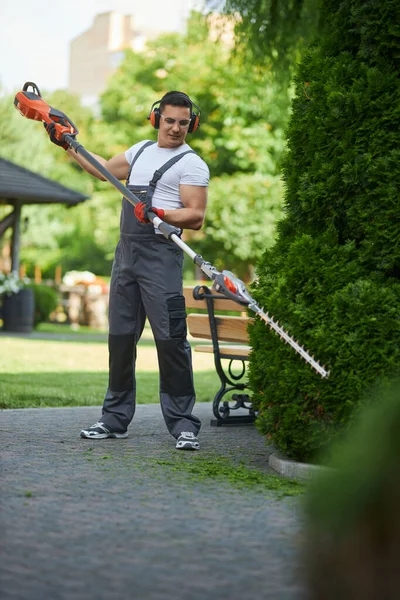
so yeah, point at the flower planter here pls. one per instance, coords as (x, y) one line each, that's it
(18, 311)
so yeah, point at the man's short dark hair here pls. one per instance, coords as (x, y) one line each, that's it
(175, 98)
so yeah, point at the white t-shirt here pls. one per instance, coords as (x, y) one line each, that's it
(189, 170)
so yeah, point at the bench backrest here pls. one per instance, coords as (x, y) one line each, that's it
(230, 328)
(220, 304)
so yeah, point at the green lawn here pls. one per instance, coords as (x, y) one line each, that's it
(58, 330)
(74, 372)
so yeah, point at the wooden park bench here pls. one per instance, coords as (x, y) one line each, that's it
(230, 342)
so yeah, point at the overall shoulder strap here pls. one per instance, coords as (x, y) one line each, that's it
(160, 172)
(138, 153)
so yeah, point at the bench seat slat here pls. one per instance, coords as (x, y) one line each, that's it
(225, 349)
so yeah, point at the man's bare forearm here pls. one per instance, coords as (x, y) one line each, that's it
(185, 218)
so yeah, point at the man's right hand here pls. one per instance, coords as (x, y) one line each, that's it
(51, 130)
(60, 119)
(142, 212)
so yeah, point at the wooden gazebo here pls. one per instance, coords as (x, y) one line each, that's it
(19, 186)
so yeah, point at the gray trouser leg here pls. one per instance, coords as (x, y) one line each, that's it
(177, 409)
(126, 322)
(165, 308)
(147, 280)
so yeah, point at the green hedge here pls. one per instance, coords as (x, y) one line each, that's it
(352, 521)
(333, 276)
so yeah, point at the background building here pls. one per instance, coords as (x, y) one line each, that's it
(96, 53)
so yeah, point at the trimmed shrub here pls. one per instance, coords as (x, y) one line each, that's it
(46, 301)
(333, 276)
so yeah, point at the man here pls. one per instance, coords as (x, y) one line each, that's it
(147, 271)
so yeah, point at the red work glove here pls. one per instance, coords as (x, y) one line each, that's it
(142, 212)
(62, 120)
(51, 130)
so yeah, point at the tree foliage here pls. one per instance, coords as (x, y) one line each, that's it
(241, 137)
(54, 230)
(275, 32)
(240, 220)
(242, 119)
(333, 276)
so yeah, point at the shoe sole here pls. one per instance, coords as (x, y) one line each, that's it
(187, 446)
(102, 436)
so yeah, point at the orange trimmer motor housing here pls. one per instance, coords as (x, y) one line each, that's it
(32, 106)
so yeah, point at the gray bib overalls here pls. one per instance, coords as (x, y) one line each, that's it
(146, 280)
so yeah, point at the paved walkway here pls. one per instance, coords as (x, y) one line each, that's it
(126, 519)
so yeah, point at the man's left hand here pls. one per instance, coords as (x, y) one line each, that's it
(142, 212)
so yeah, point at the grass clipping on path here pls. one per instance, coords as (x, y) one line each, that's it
(202, 467)
(198, 467)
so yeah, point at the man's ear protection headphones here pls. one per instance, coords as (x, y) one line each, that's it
(154, 114)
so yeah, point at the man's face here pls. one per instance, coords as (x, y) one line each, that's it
(174, 125)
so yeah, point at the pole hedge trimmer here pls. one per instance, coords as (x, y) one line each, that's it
(31, 105)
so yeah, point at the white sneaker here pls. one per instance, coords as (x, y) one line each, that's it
(99, 431)
(187, 441)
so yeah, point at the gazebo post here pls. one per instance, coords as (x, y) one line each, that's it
(16, 237)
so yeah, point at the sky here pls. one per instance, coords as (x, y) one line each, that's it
(35, 34)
